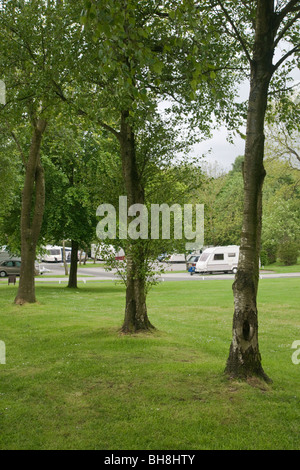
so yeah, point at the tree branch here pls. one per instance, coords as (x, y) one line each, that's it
(17, 142)
(82, 112)
(239, 37)
(290, 7)
(286, 28)
(283, 90)
(288, 147)
(24, 42)
(283, 58)
(19, 147)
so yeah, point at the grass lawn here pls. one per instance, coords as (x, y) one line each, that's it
(71, 381)
(90, 264)
(279, 267)
(64, 276)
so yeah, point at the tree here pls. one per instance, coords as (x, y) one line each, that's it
(34, 189)
(31, 59)
(283, 143)
(258, 27)
(82, 170)
(222, 197)
(11, 179)
(281, 197)
(144, 52)
(24, 103)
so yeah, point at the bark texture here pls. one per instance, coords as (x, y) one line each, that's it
(64, 259)
(33, 203)
(244, 357)
(74, 264)
(136, 317)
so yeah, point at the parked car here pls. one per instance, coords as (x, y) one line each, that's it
(191, 263)
(13, 267)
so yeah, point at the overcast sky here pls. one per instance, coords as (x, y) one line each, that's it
(222, 151)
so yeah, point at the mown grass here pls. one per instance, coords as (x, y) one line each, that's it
(72, 381)
(279, 267)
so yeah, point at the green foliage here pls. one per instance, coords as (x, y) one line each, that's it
(32, 38)
(32, 62)
(237, 166)
(82, 171)
(288, 252)
(222, 196)
(268, 254)
(281, 206)
(11, 179)
(141, 52)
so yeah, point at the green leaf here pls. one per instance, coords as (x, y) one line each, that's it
(157, 67)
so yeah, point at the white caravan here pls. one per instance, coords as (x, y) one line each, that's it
(218, 259)
(53, 254)
(177, 258)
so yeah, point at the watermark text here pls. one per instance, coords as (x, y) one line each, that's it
(2, 92)
(296, 354)
(160, 221)
(2, 353)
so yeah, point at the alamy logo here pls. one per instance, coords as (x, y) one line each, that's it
(296, 354)
(145, 224)
(2, 92)
(2, 353)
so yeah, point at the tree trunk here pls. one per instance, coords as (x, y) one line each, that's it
(73, 267)
(33, 203)
(136, 317)
(64, 259)
(244, 357)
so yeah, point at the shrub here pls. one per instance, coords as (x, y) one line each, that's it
(268, 254)
(288, 252)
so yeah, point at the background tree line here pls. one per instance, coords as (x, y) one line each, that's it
(82, 170)
(221, 192)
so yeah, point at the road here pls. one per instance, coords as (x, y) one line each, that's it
(174, 273)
